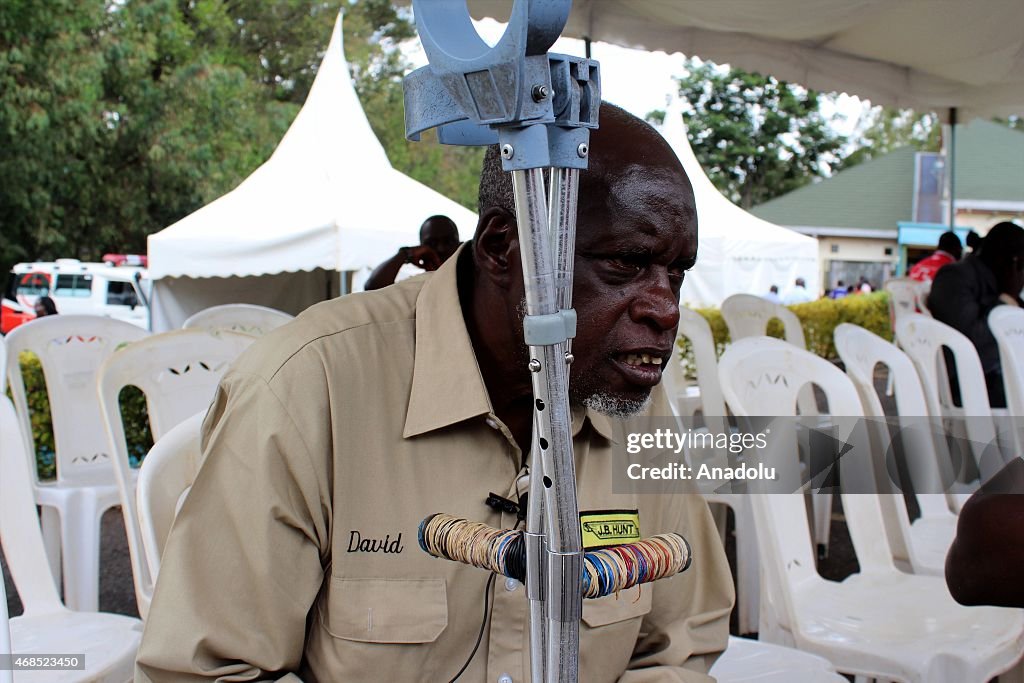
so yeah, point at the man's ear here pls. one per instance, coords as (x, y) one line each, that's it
(496, 247)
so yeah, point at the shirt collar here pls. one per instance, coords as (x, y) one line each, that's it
(447, 385)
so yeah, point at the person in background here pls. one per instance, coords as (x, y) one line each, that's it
(798, 294)
(439, 238)
(863, 286)
(950, 250)
(773, 295)
(964, 293)
(839, 291)
(45, 306)
(973, 241)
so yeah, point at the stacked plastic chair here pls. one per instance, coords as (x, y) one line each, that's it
(71, 349)
(879, 623)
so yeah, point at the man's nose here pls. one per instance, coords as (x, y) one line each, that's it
(656, 303)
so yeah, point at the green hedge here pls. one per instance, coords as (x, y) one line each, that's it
(819, 320)
(133, 413)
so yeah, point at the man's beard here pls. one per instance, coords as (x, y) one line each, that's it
(616, 406)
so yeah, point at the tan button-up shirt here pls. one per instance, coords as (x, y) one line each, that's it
(295, 552)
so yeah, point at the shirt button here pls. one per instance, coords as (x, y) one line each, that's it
(504, 678)
(511, 584)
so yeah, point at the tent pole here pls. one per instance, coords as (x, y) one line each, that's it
(952, 168)
(586, 46)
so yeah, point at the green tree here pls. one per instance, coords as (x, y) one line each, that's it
(373, 31)
(884, 129)
(756, 137)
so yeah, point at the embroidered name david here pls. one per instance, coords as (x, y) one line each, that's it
(358, 544)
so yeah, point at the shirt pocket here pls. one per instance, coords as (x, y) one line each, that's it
(628, 604)
(387, 610)
(609, 632)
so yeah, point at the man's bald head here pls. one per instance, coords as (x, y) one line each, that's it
(622, 145)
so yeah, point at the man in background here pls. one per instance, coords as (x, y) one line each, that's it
(964, 293)
(950, 250)
(439, 238)
(798, 294)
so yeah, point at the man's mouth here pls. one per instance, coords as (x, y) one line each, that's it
(642, 368)
(636, 359)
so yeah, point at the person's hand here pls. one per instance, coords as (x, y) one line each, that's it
(423, 257)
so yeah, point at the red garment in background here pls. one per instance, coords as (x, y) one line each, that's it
(925, 269)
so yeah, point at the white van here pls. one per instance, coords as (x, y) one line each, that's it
(115, 291)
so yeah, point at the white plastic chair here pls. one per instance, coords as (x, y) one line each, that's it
(879, 623)
(708, 399)
(923, 339)
(165, 478)
(921, 291)
(753, 661)
(71, 349)
(1007, 325)
(748, 316)
(922, 544)
(245, 318)
(904, 297)
(108, 641)
(178, 372)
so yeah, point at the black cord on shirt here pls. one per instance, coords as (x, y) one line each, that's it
(483, 625)
(487, 603)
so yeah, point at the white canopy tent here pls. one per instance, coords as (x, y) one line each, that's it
(921, 54)
(738, 253)
(326, 201)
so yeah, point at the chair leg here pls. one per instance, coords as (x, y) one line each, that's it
(748, 569)
(51, 528)
(81, 541)
(822, 503)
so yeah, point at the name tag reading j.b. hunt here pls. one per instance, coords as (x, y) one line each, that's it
(604, 528)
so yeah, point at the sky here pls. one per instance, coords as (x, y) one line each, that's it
(639, 81)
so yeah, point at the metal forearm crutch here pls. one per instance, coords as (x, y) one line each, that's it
(539, 108)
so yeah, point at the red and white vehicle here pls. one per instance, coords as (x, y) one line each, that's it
(115, 291)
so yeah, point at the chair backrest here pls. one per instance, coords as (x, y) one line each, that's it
(20, 533)
(903, 297)
(862, 351)
(696, 329)
(921, 292)
(748, 316)
(923, 339)
(1007, 325)
(165, 477)
(71, 349)
(178, 372)
(763, 376)
(246, 318)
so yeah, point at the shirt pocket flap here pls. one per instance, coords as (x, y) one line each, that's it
(630, 603)
(387, 610)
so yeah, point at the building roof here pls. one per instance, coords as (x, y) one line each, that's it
(879, 193)
(874, 195)
(989, 162)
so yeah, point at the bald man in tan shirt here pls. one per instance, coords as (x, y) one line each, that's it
(294, 556)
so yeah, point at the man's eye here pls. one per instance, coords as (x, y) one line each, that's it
(627, 262)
